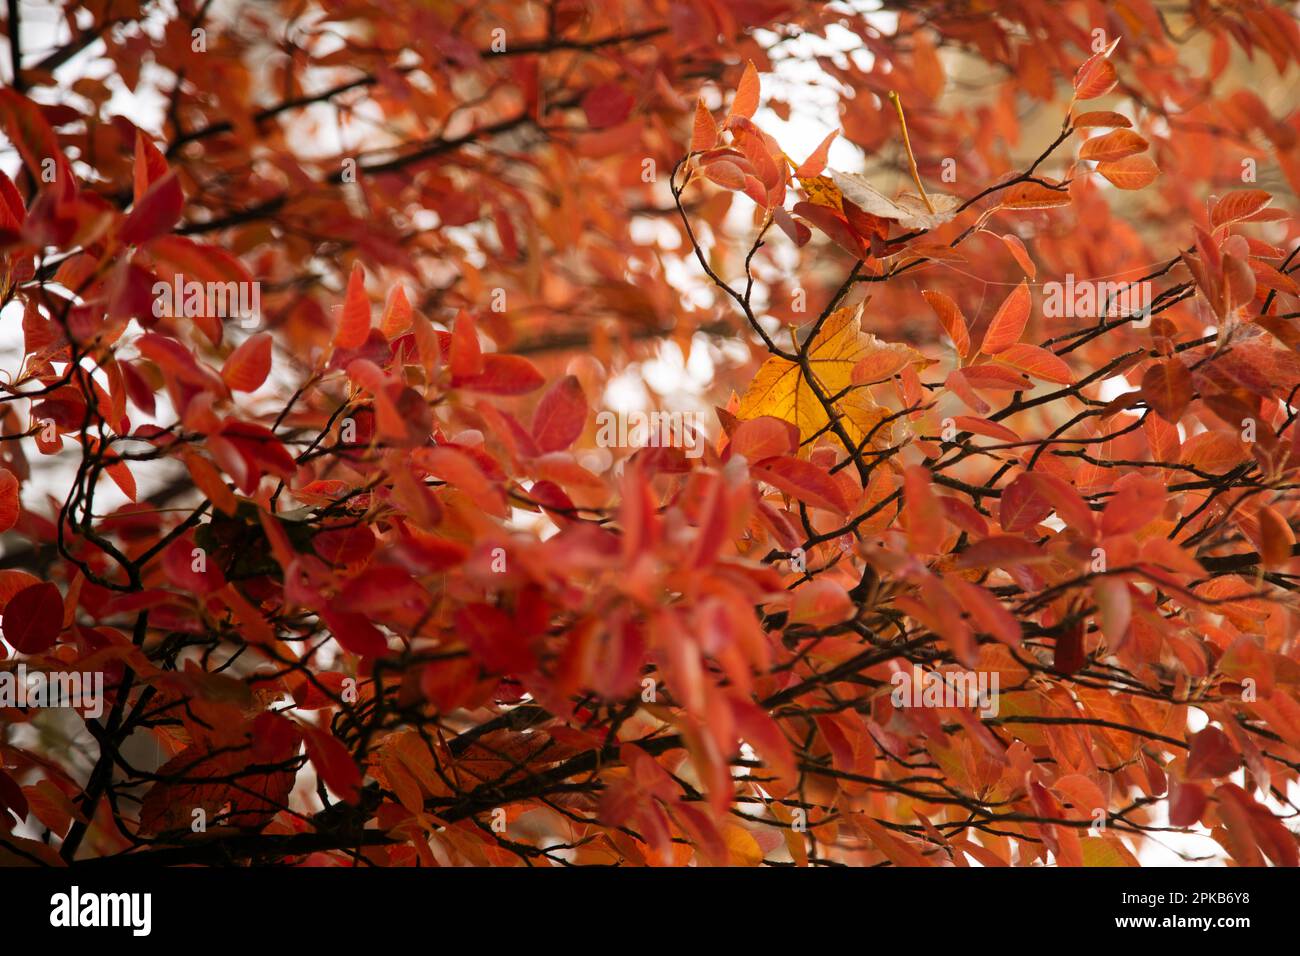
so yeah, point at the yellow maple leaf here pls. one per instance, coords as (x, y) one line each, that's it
(780, 388)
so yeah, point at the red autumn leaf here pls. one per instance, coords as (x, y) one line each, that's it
(561, 415)
(1064, 499)
(150, 165)
(1211, 755)
(989, 615)
(1135, 504)
(1069, 654)
(355, 632)
(11, 582)
(466, 355)
(155, 213)
(1277, 537)
(820, 604)
(504, 644)
(496, 639)
(461, 471)
(1252, 828)
(504, 375)
(332, 761)
(188, 568)
(833, 225)
(725, 173)
(607, 105)
(397, 313)
(1186, 803)
(33, 618)
(9, 504)
(1034, 195)
(30, 131)
(982, 426)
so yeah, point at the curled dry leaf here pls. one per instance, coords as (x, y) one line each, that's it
(908, 210)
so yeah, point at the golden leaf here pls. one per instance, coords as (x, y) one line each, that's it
(822, 191)
(780, 388)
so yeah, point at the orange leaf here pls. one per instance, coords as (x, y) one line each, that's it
(247, 366)
(208, 480)
(704, 132)
(982, 426)
(950, 317)
(1132, 172)
(1023, 505)
(745, 102)
(1033, 196)
(461, 471)
(1277, 539)
(1237, 205)
(1101, 118)
(925, 521)
(1009, 322)
(764, 437)
(354, 323)
(1167, 388)
(986, 611)
(803, 480)
(1083, 794)
(397, 314)
(466, 356)
(1138, 500)
(1021, 254)
(1064, 499)
(816, 161)
(1096, 76)
(821, 603)
(1115, 145)
(1038, 362)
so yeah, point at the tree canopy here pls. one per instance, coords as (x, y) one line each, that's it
(718, 432)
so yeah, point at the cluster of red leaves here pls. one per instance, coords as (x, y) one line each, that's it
(374, 586)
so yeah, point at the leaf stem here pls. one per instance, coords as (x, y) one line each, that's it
(907, 145)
